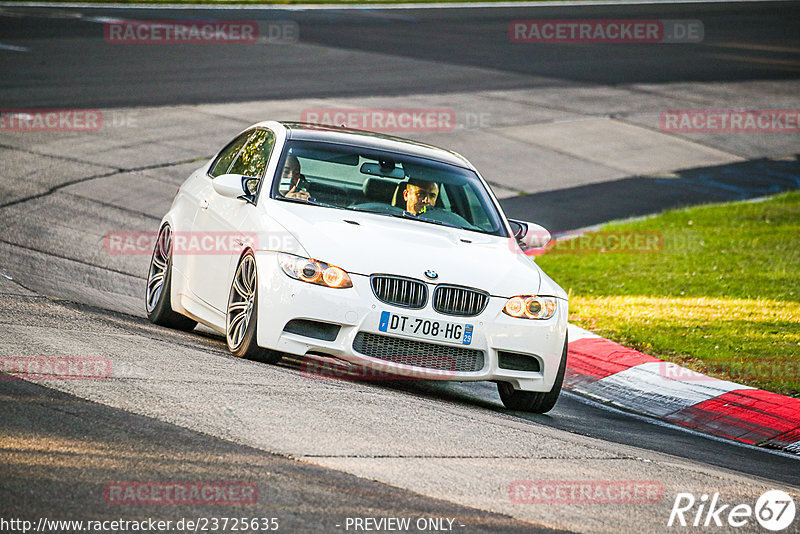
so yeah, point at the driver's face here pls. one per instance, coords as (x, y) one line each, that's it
(418, 198)
(292, 170)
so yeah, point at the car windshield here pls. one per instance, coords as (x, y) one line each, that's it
(386, 183)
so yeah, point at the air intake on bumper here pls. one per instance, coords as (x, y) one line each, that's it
(418, 353)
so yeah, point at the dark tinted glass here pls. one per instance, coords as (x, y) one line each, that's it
(226, 157)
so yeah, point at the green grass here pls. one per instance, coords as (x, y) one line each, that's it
(721, 296)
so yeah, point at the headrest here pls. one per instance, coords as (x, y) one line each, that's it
(378, 189)
(397, 197)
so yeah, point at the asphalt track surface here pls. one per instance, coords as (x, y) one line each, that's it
(78, 70)
(71, 63)
(605, 201)
(58, 462)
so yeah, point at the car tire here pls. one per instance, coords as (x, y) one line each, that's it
(159, 286)
(534, 401)
(241, 315)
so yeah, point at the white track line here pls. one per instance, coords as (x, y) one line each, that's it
(13, 48)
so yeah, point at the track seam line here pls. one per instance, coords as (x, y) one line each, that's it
(54, 156)
(118, 170)
(462, 457)
(112, 206)
(552, 106)
(76, 260)
(35, 295)
(98, 314)
(55, 189)
(626, 120)
(564, 153)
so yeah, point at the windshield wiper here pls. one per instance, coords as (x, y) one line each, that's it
(407, 215)
(368, 210)
(309, 201)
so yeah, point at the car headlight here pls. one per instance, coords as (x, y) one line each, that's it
(530, 307)
(314, 272)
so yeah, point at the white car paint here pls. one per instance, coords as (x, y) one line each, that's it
(362, 244)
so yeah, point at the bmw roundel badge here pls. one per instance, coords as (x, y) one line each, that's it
(430, 273)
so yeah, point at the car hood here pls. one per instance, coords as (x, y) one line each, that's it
(365, 243)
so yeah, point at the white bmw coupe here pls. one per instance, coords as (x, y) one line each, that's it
(374, 251)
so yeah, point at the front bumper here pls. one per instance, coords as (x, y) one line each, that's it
(282, 299)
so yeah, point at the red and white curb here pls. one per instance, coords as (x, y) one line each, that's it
(627, 378)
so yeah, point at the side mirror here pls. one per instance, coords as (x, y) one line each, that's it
(236, 186)
(529, 235)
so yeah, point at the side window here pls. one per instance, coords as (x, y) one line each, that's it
(225, 158)
(252, 160)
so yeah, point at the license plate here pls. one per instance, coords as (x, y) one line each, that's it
(425, 328)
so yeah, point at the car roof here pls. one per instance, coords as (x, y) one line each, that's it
(347, 136)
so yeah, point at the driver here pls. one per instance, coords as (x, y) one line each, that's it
(420, 195)
(293, 183)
